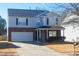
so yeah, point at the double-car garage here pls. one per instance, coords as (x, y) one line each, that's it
(21, 34)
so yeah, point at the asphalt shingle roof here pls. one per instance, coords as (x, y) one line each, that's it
(24, 12)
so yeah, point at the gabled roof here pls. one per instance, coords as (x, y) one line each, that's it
(24, 12)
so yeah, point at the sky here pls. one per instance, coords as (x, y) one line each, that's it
(44, 6)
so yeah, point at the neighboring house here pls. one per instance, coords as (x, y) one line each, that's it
(71, 34)
(33, 25)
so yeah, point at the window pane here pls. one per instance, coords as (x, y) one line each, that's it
(52, 33)
(21, 21)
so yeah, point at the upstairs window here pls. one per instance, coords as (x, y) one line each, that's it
(56, 21)
(21, 21)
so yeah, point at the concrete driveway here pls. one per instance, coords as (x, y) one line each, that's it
(27, 49)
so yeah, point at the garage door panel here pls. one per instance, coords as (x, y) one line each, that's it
(22, 36)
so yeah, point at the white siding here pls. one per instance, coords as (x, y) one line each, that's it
(52, 19)
(31, 22)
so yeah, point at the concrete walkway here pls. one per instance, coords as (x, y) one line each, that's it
(35, 50)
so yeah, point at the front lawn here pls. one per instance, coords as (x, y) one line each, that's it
(66, 48)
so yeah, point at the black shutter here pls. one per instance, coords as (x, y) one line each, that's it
(16, 21)
(47, 21)
(26, 21)
(56, 21)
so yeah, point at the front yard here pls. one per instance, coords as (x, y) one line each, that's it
(66, 48)
(11, 49)
(25, 49)
(7, 49)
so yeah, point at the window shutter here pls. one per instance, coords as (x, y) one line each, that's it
(16, 21)
(56, 21)
(47, 21)
(26, 21)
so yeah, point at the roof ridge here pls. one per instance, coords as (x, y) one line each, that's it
(27, 9)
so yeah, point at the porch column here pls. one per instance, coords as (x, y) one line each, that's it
(37, 35)
(63, 32)
(44, 36)
(47, 34)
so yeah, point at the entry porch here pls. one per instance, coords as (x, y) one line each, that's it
(50, 34)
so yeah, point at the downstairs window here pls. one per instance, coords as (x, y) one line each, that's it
(52, 33)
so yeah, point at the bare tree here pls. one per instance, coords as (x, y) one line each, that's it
(73, 21)
(68, 8)
(73, 17)
(74, 7)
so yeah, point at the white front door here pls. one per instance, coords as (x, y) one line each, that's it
(22, 36)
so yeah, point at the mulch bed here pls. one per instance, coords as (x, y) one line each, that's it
(7, 49)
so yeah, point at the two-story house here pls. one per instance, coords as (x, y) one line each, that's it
(33, 25)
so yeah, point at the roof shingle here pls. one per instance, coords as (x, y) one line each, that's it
(24, 12)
